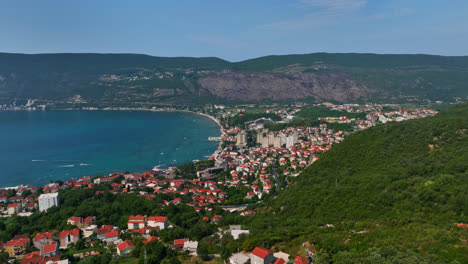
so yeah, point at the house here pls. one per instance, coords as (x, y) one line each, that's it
(261, 255)
(125, 248)
(17, 245)
(101, 232)
(3, 199)
(239, 258)
(136, 222)
(111, 236)
(157, 221)
(14, 208)
(68, 237)
(42, 239)
(51, 249)
(191, 246)
(179, 243)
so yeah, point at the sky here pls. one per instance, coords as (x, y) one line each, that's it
(234, 29)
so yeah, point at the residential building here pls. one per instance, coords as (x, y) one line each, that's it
(68, 237)
(125, 248)
(191, 246)
(14, 208)
(42, 239)
(136, 222)
(261, 255)
(111, 236)
(50, 250)
(157, 221)
(17, 245)
(48, 200)
(179, 243)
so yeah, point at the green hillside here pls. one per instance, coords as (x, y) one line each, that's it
(58, 77)
(393, 192)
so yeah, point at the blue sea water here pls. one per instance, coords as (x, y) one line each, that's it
(37, 147)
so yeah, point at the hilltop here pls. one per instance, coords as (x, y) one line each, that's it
(122, 79)
(391, 192)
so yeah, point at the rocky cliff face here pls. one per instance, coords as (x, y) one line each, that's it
(256, 86)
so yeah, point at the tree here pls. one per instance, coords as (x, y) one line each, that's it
(203, 251)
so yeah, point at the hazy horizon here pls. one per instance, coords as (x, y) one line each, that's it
(234, 30)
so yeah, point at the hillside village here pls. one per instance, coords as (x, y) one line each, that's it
(252, 163)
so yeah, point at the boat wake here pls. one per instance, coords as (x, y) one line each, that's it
(67, 166)
(38, 160)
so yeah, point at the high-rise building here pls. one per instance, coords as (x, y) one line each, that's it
(241, 139)
(48, 200)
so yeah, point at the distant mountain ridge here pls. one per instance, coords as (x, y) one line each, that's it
(130, 78)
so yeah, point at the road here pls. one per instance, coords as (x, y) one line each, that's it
(276, 179)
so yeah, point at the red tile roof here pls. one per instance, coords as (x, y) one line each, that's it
(300, 260)
(112, 233)
(46, 235)
(50, 248)
(124, 245)
(279, 261)
(73, 232)
(261, 252)
(180, 241)
(136, 219)
(16, 242)
(158, 219)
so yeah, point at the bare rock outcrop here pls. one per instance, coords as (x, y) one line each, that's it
(255, 86)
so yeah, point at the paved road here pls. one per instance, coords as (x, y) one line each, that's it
(276, 179)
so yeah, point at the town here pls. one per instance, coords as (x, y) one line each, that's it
(261, 151)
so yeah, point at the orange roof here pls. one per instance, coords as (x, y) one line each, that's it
(16, 242)
(136, 219)
(261, 252)
(158, 219)
(46, 235)
(279, 261)
(300, 260)
(125, 245)
(112, 233)
(50, 248)
(180, 241)
(13, 205)
(73, 232)
(151, 238)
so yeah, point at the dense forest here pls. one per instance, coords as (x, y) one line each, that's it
(388, 194)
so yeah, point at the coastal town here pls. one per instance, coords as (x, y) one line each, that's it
(262, 150)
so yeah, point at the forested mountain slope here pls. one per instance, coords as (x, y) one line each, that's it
(125, 78)
(392, 192)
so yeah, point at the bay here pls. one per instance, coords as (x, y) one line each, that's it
(37, 147)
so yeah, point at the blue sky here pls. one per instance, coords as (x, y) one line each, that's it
(234, 30)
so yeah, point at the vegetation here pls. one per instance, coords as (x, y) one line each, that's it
(396, 188)
(61, 76)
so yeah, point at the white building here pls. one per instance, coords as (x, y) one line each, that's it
(48, 200)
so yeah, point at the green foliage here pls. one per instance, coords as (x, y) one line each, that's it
(61, 76)
(239, 120)
(399, 186)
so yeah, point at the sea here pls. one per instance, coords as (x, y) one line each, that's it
(42, 146)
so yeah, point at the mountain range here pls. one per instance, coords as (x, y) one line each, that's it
(141, 79)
